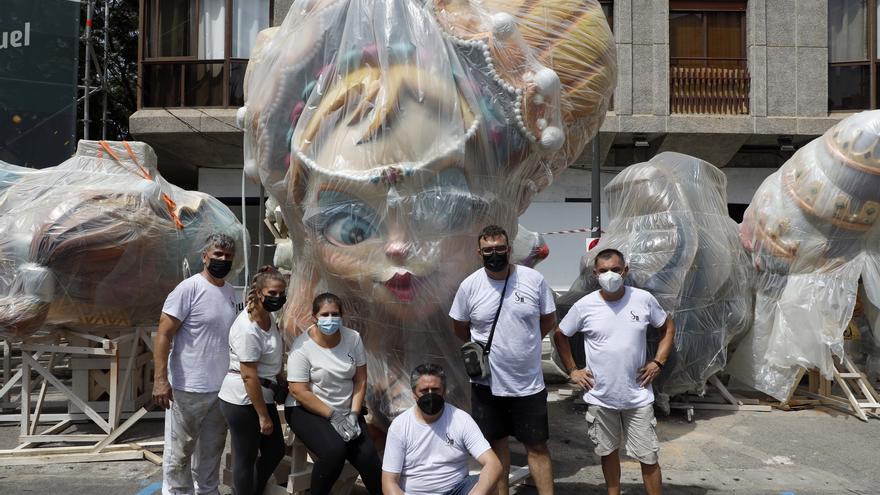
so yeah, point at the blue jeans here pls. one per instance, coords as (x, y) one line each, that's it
(465, 485)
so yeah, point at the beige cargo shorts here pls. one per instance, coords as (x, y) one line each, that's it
(634, 429)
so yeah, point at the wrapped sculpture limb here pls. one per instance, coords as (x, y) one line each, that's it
(99, 240)
(668, 216)
(812, 232)
(391, 131)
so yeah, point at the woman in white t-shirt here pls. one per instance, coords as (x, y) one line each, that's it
(327, 375)
(247, 396)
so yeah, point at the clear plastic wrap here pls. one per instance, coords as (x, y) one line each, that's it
(809, 231)
(391, 131)
(668, 216)
(99, 240)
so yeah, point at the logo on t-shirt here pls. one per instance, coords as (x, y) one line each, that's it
(519, 297)
(449, 441)
(351, 358)
(634, 317)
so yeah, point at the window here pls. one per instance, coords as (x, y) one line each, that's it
(195, 51)
(707, 34)
(608, 9)
(852, 58)
(708, 71)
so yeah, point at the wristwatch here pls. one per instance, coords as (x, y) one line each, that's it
(658, 363)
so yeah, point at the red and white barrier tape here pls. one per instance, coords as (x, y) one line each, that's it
(572, 231)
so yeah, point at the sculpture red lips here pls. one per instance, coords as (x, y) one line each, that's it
(402, 285)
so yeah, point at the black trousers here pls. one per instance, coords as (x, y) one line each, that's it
(250, 473)
(332, 452)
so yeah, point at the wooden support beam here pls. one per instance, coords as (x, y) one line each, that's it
(27, 360)
(120, 430)
(7, 387)
(125, 455)
(721, 407)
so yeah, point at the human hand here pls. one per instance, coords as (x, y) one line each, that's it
(339, 422)
(266, 426)
(648, 373)
(354, 426)
(584, 378)
(162, 392)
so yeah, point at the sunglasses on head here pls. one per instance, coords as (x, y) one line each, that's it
(493, 249)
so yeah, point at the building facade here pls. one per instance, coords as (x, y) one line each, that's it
(739, 83)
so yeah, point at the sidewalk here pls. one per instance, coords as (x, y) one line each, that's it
(803, 452)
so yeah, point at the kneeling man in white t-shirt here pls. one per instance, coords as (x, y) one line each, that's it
(430, 444)
(618, 379)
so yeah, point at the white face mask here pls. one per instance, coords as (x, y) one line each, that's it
(610, 282)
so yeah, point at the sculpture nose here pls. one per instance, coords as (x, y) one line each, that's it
(397, 249)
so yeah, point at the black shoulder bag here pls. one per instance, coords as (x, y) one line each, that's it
(474, 355)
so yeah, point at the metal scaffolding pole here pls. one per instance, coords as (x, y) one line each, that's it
(104, 85)
(596, 185)
(91, 62)
(87, 77)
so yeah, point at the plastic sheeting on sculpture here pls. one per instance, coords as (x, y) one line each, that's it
(99, 240)
(668, 216)
(808, 230)
(391, 131)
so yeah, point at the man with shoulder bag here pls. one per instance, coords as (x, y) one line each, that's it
(503, 311)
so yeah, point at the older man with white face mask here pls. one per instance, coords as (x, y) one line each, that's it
(618, 379)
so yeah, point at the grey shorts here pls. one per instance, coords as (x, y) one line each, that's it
(634, 429)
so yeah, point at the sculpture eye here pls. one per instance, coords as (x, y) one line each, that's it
(348, 228)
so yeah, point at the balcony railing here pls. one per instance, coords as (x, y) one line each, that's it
(709, 90)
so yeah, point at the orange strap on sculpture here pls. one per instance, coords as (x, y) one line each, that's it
(168, 201)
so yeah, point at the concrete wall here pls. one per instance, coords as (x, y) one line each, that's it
(787, 51)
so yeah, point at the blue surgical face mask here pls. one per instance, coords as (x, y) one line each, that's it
(328, 325)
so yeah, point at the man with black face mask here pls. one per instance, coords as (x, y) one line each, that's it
(428, 445)
(196, 319)
(517, 302)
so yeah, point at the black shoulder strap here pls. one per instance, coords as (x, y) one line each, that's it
(495, 321)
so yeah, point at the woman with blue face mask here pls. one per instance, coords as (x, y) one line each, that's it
(327, 377)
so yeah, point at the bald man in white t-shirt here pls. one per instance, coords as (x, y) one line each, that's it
(614, 321)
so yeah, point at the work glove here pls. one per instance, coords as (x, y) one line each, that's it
(354, 426)
(339, 422)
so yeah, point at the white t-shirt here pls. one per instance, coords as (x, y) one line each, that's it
(329, 371)
(251, 344)
(615, 344)
(200, 349)
(432, 458)
(515, 356)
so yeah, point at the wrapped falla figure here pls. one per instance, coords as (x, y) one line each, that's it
(99, 240)
(812, 232)
(669, 218)
(390, 132)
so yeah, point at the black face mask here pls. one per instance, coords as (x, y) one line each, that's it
(495, 262)
(219, 268)
(431, 403)
(273, 303)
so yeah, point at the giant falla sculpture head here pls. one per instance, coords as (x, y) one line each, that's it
(391, 131)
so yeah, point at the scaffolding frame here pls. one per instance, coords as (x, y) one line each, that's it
(89, 86)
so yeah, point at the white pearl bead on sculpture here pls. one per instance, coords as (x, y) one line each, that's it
(503, 25)
(552, 138)
(547, 81)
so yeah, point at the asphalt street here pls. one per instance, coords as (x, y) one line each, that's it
(816, 451)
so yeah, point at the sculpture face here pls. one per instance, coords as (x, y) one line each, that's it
(391, 132)
(403, 249)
